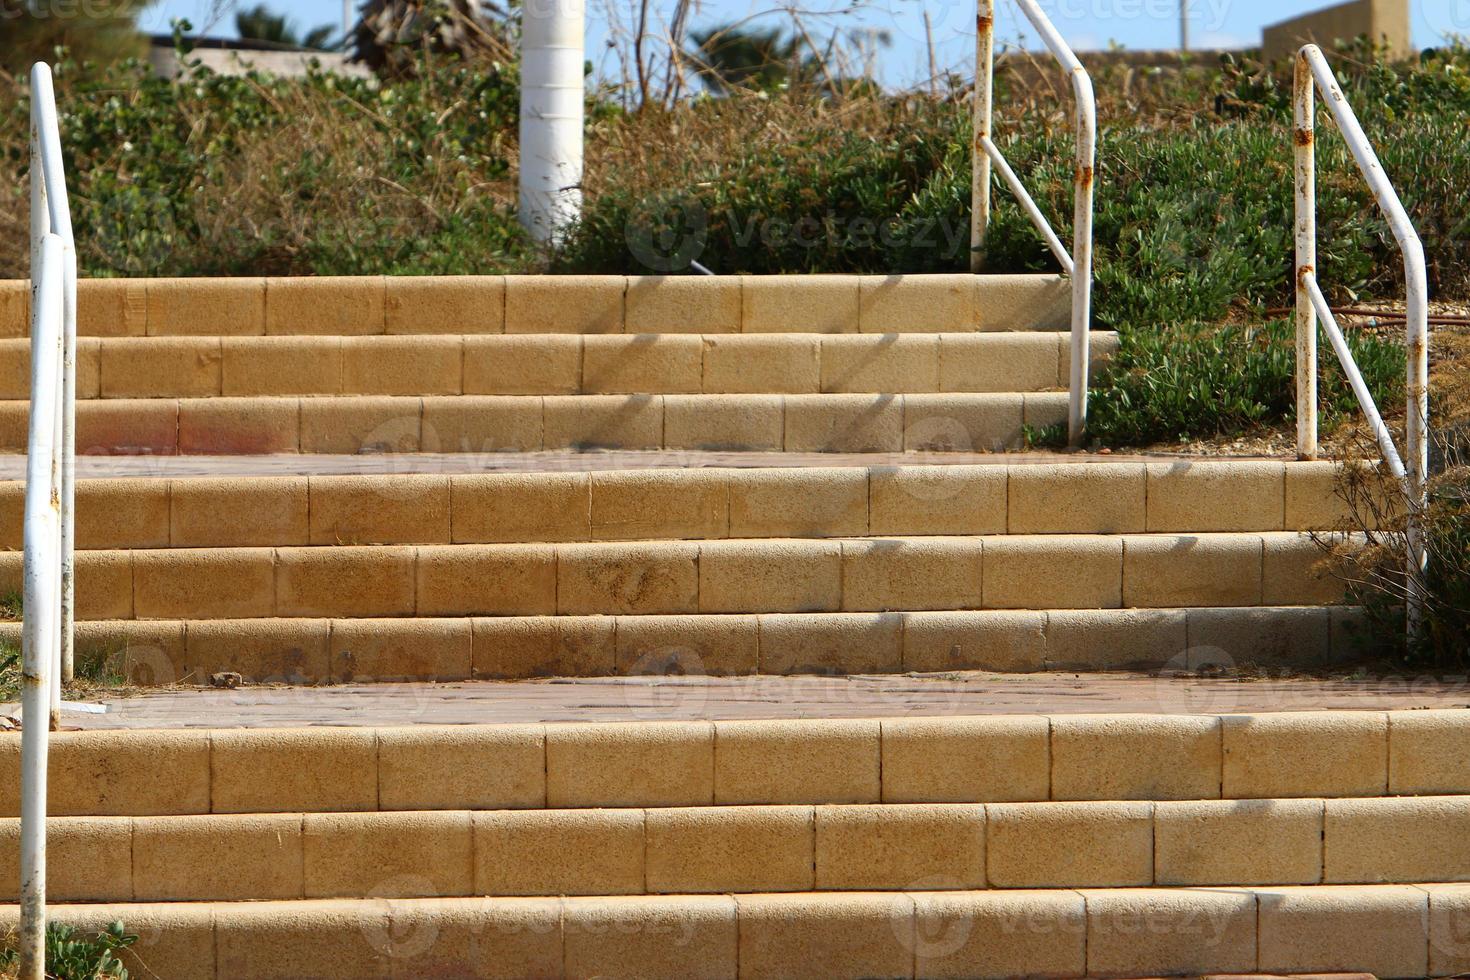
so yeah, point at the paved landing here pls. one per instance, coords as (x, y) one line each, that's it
(660, 698)
(12, 467)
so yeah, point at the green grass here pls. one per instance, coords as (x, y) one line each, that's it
(12, 604)
(96, 668)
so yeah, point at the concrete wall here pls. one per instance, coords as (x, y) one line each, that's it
(1385, 21)
(230, 61)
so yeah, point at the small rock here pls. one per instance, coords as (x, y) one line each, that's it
(226, 679)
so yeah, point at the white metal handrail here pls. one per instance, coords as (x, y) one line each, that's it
(1312, 307)
(1077, 264)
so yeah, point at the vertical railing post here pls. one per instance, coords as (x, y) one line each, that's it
(1086, 172)
(1417, 430)
(1304, 140)
(981, 116)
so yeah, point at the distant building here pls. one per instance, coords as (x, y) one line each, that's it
(1386, 22)
(233, 57)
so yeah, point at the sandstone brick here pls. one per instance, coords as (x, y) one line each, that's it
(919, 304)
(1238, 842)
(633, 764)
(257, 366)
(124, 427)
(1351, 633)
(798, 502)
(995, 639)
(831, 643)
(1243, 495)
(203, 583)
(444, 304)
(564, 304)
(1397, 840)
(1315, 497)
(15, 368)
(725, 423)
(900, 845)
(965, 760)
(1102, 350)
(115, 773)
(398, 509)
(761, 363)
(1108, 639)
(1325, 929)
(1298, 636)
(1190, 570)
(367, 650)
(886, 363)
(206, 307)
(363, 424)
(604, 422)
(184, 367)
(1296, 754)
(1296, 570)
(292, 940)
(228, 512)
(88, 859)
(1161, 931)
(642, 363)
(1135, 757)
(1427, 752)
(844, 423)
(545, 646)
(504, 939)
(482, 424)
(962, 423)
(12, 514)
(912, 573)
(1001, 934)
(174, 938)
(999, 362)
(1024, 302)
(89, 368)
(290, 651)
(769, 576)
(820, 936)
(345, 581)
(683, 304)
(730, 849)
(521, 365)
(559, 852)
(501, 580)
(112, 307)
(244, 426)
(688, 645)
(660, 504)
(1042, 410)
(15, 307)
(314, 770)
(1449, 929)
(1052, 571)
(655, 937)
(494, 507)
(659, 577)
(144, 653)
(1091, 498)
(403, 365)
(327, 305)
(405, 855)
(132, 513)
(938, 499)
(217, 858)
(800, 304)
(459, 767)
(809, 761)
(1069, 845)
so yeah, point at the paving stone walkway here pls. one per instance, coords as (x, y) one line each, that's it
(667, 699)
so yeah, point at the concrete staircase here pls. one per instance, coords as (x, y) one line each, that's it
(1066, 846)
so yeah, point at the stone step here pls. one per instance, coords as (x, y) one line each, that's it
(754, 848)
(368, 305)
(235, 367)
(1381, 930)
(339, 651)
(802, 575)
(700, 503)
(1096, 758)
(531, 423)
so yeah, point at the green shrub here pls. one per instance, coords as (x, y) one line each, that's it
(75, 955)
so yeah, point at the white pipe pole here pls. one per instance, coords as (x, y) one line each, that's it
(552, 107)
(1029, 204)
(981, 113)
(1305, 137)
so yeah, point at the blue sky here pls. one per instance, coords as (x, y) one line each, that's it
(1136, 24)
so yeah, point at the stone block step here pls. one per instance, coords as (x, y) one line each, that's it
(369, 305)
(552, 364)
(340, 651)
(530, 423)
(1097, 758)
(752, 848)
(802, 575)
(699, 503)
(1382, 930)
